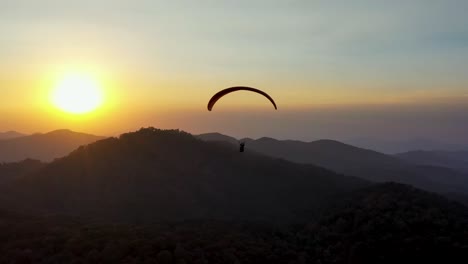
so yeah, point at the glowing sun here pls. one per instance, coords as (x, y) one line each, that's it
(77, 94)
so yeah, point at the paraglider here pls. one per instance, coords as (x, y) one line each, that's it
(222, 93)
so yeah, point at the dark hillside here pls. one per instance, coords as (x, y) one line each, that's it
(386, 223)
(168, 175)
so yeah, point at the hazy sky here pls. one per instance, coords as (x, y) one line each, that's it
(337, 69)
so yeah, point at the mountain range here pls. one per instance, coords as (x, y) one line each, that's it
(45, 147)
(393, 146)
(441, 171)
(452, 159)
(166, 196)
(10, 135)
(359, 162)
(154, 174)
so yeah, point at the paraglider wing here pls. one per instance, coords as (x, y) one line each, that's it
(222, 93)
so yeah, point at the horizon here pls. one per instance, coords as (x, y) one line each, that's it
(386, 146)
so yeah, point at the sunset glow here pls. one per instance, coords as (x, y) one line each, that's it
(355, 70)
(77, 94)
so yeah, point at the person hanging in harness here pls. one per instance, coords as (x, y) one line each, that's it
(242, 146)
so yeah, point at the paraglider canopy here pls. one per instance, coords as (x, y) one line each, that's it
(222, 93)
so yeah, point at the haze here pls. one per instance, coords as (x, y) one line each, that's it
(392, 70)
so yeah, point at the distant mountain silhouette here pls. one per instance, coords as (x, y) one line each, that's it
(44, 147)
(398, 146)
(363, 163)
(452, 159)
(10, 135)
(168, 174)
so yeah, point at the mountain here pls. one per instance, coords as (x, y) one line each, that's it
(217, 137)
(156, 174)
(384, 223)
(452, 159)
(15, 170)
(165, 196)
(398, 146)
(44, 147)
(363, 163)
(10, 135)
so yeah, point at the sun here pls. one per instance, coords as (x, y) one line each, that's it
(77, 93)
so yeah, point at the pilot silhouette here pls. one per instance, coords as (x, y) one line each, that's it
(242, 145)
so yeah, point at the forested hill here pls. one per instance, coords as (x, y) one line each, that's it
(386, 224)
(157, 174)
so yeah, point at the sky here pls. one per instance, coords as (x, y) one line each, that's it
(337, 69)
